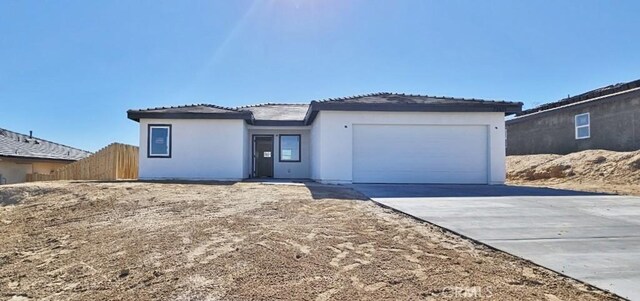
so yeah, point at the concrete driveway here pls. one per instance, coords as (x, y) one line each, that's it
(591, 237)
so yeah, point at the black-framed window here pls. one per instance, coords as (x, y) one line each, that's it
(159, 141)
(289, 148)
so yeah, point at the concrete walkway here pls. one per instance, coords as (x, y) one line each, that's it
(591, 237)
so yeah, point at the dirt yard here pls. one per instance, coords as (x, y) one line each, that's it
(243, 241)
(591, 170)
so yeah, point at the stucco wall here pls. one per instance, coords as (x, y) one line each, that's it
(333, 147)
(615, 125)
(16, 172)
(13, 172)
(207, 149)
(246, 152)
(46, 167)
(315, 147)
(287, 170)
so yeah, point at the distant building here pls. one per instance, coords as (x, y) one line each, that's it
(24, 154)
(606, 118)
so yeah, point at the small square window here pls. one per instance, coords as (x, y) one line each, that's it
(582, 119)
(583, 132)
(289, 148)
(159, 136)
(583, 126)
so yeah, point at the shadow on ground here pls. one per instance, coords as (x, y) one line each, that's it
(339, 192)
(318, 191)
(189, 182)
(434, 191)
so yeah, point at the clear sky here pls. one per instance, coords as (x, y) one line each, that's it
(69, 70)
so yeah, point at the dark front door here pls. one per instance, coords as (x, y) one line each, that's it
(263, 156)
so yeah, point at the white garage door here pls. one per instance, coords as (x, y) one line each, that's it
(420, 154)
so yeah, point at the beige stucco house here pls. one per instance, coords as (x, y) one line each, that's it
(24, 154)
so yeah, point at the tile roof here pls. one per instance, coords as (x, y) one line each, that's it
(402, 98)
(193, 108)
(14, 144)
(301, 114)
(593, 94)
(281, 111)
(189, 111)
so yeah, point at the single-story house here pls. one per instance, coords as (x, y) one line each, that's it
(606, 118)
(25, 154)
(375, 138)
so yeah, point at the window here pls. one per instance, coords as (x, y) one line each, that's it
(289, 148)
(159, 144)
(583, 122)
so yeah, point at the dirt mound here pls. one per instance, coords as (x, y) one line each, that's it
(589, 165)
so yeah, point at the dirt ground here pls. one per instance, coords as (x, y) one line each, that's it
(244, 241)
(591, 170)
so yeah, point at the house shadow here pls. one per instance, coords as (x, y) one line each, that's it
(450, 190)
(365, 191)
(337, 192)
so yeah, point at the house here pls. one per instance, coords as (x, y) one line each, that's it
(375, 138)
(24, 154)
(606, 118)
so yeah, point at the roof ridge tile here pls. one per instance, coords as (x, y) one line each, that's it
(264, 104)
(407, 95)
(186, 106)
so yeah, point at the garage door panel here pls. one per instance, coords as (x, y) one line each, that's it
(420, 154)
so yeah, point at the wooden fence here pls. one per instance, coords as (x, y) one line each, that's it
(114, 162)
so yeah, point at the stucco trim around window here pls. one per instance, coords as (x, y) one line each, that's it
(582, 124)
(167, 141)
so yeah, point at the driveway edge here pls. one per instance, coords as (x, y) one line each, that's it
(588, 285)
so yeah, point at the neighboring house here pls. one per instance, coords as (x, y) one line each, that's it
(24, 154)
(605, 118)
(375, 138)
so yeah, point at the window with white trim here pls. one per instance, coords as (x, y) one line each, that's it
(583, 126)
(159, 144)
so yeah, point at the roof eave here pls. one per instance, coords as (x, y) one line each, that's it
(40, 159)
(508, 108)
(278, 123)
(137, 115)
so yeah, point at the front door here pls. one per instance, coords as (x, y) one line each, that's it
(263, 156)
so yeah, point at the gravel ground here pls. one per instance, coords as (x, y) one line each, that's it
(244, 241)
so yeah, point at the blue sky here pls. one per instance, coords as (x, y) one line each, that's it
(69, 70)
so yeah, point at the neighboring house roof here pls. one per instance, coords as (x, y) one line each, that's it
(303, 114)
(18, 145)
(584, 97)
